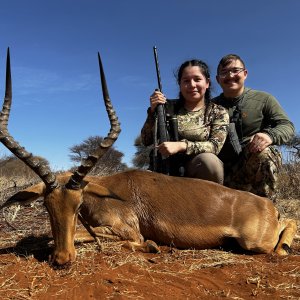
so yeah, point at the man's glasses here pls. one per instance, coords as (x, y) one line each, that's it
(233, 71)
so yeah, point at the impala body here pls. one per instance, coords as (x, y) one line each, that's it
(144, 208)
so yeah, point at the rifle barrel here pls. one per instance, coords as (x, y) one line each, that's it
(157, 69)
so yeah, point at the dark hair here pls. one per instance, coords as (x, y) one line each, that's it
(204, 70)
(227, 60)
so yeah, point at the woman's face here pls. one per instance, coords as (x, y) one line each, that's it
(193, 84)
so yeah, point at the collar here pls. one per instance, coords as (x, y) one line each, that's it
(235, 100)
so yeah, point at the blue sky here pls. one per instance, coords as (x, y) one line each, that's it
(57, 101)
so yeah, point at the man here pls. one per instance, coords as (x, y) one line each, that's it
(257, 124)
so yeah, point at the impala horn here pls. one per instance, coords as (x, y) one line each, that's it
(37, 165)
(115, 129)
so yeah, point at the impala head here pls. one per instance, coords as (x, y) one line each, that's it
(62, 194)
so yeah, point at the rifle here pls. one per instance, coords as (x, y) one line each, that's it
(160, 127)
(165, 129)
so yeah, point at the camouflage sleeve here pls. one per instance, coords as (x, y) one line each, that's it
(219, 121)
(147, 130)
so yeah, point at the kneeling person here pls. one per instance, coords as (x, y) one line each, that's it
(257, 124)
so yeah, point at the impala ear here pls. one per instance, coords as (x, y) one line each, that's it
(98, 190)
(26, 196)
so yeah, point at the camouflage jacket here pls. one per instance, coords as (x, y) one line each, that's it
(203, 131)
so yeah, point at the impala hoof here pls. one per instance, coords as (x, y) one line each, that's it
(284, 250)
(152, 247)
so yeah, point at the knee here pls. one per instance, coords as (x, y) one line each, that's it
(268, 156)
(263, 155)
(206, 166)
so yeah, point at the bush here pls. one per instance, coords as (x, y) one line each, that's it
(289, 181)
(12, 167)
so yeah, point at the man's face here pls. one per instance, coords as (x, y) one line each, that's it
(231, 78)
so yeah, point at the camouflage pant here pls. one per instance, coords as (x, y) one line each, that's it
(255, 172)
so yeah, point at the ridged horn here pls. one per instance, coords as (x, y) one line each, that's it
(115, 129)
(37, 165)
(4, 115)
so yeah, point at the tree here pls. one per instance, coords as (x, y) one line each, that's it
(294, 145)
(110, 162)
(141, 156)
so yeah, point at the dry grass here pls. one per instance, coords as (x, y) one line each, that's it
(265, 286)
(289, 181)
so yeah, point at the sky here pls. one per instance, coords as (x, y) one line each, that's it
(57, 98)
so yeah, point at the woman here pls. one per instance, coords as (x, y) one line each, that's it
(202, 125)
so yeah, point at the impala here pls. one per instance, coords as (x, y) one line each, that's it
(143, 208)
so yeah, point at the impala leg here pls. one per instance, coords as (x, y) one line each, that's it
(84, 236)
(147, 247)
(114, 220)
(133, 240)
(104, 232)
(288, 232)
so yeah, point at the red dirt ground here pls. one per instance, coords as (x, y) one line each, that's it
(117, 273)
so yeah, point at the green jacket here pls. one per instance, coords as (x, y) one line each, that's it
(259, 112)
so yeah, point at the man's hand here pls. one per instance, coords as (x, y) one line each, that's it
(259, 142)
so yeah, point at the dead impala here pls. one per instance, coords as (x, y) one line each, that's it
(135, 206)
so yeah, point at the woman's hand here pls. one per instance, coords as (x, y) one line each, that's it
(170, 148)
(259, 142)
(155, 99)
